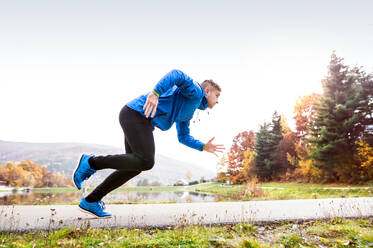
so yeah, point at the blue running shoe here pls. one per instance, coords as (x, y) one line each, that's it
(83, 171)
(95, 208)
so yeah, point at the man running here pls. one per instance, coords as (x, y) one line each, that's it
(175, 98)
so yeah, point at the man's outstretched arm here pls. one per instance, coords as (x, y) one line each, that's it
(183, 134)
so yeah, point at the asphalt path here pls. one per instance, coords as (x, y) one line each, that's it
(51, 217)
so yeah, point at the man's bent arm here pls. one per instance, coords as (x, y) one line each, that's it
(187, 86)
(183, 134)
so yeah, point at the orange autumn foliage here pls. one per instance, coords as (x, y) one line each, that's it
(30, 174)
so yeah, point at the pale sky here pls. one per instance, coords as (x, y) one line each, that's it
(68, 67)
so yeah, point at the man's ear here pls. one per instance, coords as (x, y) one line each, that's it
(207, 90)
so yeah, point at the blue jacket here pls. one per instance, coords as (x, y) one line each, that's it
(179, 97)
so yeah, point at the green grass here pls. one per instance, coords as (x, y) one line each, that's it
(328, 233)
(284, 191)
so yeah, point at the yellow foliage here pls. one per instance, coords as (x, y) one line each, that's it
(309, 172)
(222, 177)
(3, 173)
(292, 159)
(27, 173)
(223, 163)
(305, 171)
(365, 153)
(365, 156)
(247, 171)
(284, 126)
(249, 156)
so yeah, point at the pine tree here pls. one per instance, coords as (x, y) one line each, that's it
(276, 138)
(276, 131)
(263, 152)
(266, 147)
(338, 122)
(365, 108)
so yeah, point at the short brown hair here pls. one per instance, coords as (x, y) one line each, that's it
(210, 83)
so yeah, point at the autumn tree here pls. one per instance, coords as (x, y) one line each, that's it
(298, 155)
(285, 149)
(35, 173)
(188, 175)
(27, 173)
(15, 174)
(222, 169)
(285, 129)
(3, 174)
(365, 156)
(304, 113)
(238, 155)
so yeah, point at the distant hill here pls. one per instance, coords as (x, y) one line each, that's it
(62, 157)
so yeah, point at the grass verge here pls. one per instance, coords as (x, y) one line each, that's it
(328, 233)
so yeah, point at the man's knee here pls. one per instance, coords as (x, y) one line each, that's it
(148, 164)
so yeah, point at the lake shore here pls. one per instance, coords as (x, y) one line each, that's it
(192, 193)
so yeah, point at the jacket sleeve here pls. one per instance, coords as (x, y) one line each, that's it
(183, 134)
(187, 86)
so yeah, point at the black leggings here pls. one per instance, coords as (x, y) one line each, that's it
(139, 156)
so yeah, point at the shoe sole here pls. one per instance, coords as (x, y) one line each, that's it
(91, 213)
(77, 167)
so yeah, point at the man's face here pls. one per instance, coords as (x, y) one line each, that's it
(212, 96)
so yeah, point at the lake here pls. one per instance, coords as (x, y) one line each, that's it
(31, 198)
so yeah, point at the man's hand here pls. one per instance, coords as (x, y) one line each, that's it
(209, 147)
(151, 105)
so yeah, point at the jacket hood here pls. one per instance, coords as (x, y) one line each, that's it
(204, 101)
